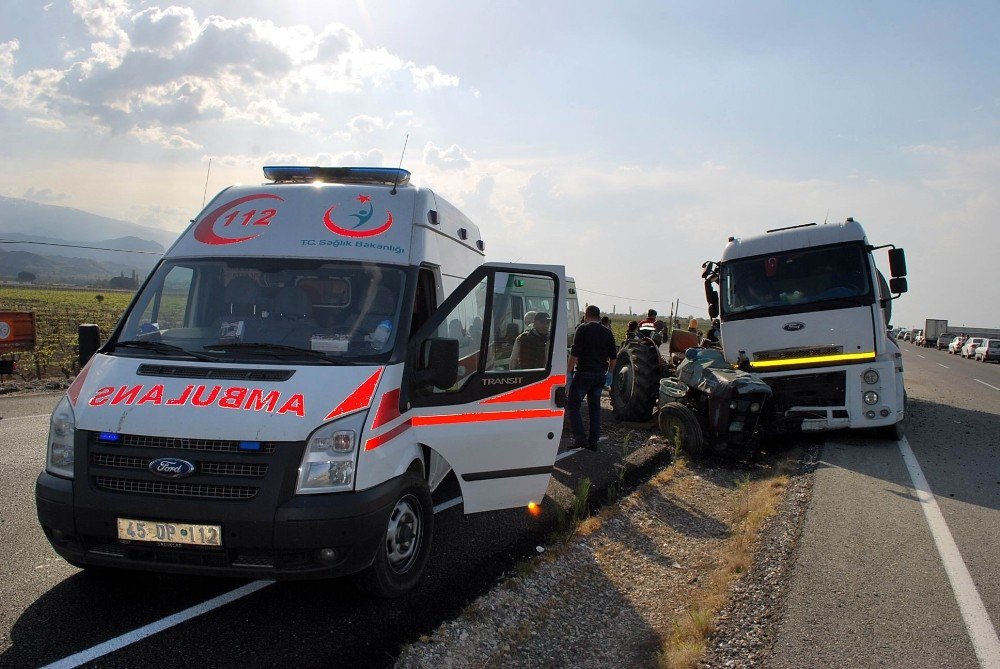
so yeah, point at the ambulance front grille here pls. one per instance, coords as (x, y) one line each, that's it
(176, 489)
(251, 470)
(214, 445)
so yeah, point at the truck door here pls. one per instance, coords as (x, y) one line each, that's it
(499, 425)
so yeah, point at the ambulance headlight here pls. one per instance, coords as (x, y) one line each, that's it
(62, 433)
(328, 462)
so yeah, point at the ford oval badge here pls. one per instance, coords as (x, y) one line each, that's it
(794, 326)
(171, 468)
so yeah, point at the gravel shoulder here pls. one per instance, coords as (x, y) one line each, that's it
(612, 593)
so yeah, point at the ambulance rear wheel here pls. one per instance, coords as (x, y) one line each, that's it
(401, 558)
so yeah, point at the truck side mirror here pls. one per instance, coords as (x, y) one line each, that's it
(713, 300)
(897, 285)
(897, 265)
(89, 336)
(438, 363)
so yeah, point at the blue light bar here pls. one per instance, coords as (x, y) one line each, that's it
(249, 445)
(109, 436)
(387, 176)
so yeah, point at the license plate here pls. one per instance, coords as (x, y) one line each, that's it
(157, 532)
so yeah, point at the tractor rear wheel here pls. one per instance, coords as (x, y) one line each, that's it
(636, 382)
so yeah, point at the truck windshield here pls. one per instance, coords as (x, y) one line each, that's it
(827, 277)
(270, 310)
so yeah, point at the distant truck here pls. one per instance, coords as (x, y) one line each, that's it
(934, 328)
(807, 309)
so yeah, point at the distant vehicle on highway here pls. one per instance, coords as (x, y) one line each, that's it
(955, 347)
(969, 347)
(988, 351)
(944, 340)
(904, 334)
(918, 338)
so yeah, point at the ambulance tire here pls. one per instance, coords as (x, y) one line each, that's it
(682, 428)
(402, 556)
(635, 383)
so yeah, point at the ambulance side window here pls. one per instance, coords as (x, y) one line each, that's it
(514, 343)
(424, 301)
(465, 323)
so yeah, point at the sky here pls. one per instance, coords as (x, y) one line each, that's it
(626, 141)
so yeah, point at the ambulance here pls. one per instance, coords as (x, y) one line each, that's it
(299, 373)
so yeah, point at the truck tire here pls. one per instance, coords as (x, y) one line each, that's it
(635, 384)
(401, 558)
(680, 424)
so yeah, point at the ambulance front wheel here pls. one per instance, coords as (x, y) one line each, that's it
(402, 555)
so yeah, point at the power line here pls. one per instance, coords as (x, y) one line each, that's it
(638, 299)
(79, 246)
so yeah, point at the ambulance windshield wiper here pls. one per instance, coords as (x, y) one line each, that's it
(278, 350)
(160, 347)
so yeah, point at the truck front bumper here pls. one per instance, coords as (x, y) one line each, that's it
(286, 542)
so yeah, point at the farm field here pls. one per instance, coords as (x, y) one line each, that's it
(58, 312)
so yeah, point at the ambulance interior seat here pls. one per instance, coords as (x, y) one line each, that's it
(241, 297)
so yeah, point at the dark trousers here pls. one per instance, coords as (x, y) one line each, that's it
(589, 385)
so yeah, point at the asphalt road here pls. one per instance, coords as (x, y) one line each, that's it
(870, 587)
(50, 610)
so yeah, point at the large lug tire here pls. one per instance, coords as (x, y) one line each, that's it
(401, 558)
(681, 426)
(635, 384)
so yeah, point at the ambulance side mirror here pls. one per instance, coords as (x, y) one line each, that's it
(438, 363)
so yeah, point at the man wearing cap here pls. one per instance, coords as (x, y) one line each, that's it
(591, 357)
(531, 348)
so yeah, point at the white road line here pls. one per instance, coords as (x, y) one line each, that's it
(919, 356)
(128, 638)
(986, 384)
(447, 505)
(945, 366)
(977, 621)
(566, 454)
(37, 415)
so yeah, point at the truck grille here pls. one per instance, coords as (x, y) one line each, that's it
(174, 489)
(808, 390)
(798, 352)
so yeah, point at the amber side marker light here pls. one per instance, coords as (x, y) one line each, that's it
(534, 509)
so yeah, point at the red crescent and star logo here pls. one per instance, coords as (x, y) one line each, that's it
(363, 217)
(205, 233)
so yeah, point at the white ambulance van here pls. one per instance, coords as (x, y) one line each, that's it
(306, 364)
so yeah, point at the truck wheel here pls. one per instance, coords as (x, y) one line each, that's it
(402, 555)
(681, 426)
(636, 382)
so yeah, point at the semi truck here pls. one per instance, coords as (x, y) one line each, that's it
(807, 309)
(306, 364)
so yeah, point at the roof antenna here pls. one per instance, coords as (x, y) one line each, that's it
(396, 182)
(205, 193)
(827, 215)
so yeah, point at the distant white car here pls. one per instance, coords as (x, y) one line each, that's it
(988, 351)
(969, 347)
(955, 347)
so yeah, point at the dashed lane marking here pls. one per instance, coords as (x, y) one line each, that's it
(982, 633)
(945, 366)
(986, 384)
(37, 415)
(566, 454)
(447, 505)
(920, 356)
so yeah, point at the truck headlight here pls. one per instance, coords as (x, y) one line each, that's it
(870, 397)
(328, 462)
(870, 377)
(62, 433)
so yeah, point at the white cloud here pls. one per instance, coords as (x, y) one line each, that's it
(452, 158)
(46, 123)
(44, 195)
(163, 68)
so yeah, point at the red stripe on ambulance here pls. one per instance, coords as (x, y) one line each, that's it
(360, 399)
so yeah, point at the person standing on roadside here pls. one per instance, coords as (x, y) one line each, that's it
(591, 357)
(649, 319)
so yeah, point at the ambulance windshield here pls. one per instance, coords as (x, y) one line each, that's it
(266, 310)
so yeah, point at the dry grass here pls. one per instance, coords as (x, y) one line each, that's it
(755, 502)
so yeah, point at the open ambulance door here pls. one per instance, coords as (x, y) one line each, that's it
(497, 421)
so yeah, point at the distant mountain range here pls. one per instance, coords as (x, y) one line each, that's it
(58, 233)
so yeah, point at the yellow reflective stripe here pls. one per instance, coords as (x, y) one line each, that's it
(814, 359)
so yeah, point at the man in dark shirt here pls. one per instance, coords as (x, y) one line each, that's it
(531, 348)
(593, 353)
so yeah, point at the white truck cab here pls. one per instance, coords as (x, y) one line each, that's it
(807, 309)
(308, 361)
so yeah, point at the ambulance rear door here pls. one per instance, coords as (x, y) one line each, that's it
(499, 424)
